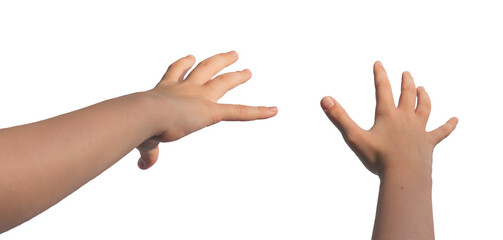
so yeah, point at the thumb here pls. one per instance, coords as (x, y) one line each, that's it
(339, 117)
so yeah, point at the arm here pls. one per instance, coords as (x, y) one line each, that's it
(43, 162)
(399, 150)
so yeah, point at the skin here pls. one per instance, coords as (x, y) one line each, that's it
(41, 163)
(399, 150)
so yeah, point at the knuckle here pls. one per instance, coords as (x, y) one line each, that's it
(209, 106)
(223, 77)
(424, 104)
(443, 131)
(179, 64)
(213, 113)
(423, 109)
(337, 114)
(409, 89)
(205, 63)
(351, 138)
(215, 118)
(432, 139)
(174, 65)
(241, 111)
(450, 128)
(427, 105)
(382, 83)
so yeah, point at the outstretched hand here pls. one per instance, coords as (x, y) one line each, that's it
(191, 102)
(398, 138)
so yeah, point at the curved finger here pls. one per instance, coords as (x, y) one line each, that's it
(220, 85)
(230, 112)
(423, 108)
(407, 99)
(208, 68)
(148, 158)
(149, 152)
(177, 71)
(443, 131)
(339, 117)
(384, 95)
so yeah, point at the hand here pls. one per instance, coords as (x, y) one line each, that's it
(398, 138)
(190, 102)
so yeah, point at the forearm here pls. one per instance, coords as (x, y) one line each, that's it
(404, 208)
(43, 162)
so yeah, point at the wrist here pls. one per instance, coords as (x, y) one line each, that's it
(153, 108)
(410, 170)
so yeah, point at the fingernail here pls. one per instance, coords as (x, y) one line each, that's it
(327, 102)
(379, 63)
(273, 109)
(233, 53)
(456, 120)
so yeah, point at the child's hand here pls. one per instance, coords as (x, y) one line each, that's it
(189, 103)
(398, 139)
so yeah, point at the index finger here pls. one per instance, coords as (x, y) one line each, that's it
(231, 112)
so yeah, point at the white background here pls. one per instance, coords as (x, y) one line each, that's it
(290, 177)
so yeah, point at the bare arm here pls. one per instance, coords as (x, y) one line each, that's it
(43, 162)
(399, 150)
